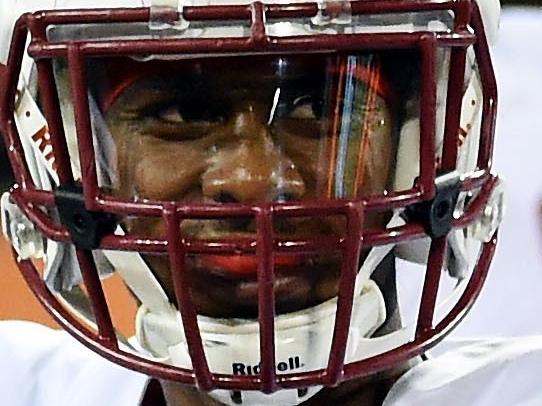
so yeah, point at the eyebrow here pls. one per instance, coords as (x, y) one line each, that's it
(169, 87)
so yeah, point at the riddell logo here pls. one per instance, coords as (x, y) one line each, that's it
(42, 139)
(242, 369)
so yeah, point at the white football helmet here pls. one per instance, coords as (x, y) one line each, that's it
(247, 169)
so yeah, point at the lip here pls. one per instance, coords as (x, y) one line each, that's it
(239, 297)
(300, 284)
(292, 292)
(226, 285)
(243, 266)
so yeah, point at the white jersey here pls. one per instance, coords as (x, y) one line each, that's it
(44, 367)
(504, 372)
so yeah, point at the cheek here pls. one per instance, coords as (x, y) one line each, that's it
(310, 156)
(379, 162)
(156, 169)
(119, 133)
(379, 167)
(168, 170)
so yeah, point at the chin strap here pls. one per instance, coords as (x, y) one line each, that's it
(302, 342)
(303, 338)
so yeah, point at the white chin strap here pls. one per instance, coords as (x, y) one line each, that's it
(302, 342)
(302, 339)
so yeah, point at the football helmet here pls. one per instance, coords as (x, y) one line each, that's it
(246, 169)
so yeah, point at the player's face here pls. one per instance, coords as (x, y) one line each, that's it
(251, 131)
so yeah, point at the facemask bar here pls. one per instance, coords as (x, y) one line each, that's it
(92, 199)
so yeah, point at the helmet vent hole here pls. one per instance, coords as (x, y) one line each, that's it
(236, 397)
(442, 209)
(79, 222)
(302, 392)
(27, 114)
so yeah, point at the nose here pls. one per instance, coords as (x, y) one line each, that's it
(247, 165)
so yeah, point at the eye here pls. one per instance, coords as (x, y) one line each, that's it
(171, 114)
(305, 108)
(192, 111)
(303, 111)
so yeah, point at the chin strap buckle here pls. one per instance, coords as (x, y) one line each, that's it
(332, 12)
(17, 228)
(167, 15)
(492, 215)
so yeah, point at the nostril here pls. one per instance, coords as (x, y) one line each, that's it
(240, 224)
(224, 197)
(233, 223)
(285, 197)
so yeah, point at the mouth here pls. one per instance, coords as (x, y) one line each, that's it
(227, 286)
(246, 266)
(299, 283)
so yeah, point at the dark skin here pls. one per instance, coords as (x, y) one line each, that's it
(207, 134)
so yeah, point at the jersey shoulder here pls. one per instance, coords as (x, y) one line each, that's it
(503, 372)
(41, 366)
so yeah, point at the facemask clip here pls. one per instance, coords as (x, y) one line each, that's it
(332, 13)
(17, 228)
(166, 15)
(86, 227)
(484, 229)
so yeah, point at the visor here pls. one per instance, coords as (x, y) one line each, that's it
(249, 129)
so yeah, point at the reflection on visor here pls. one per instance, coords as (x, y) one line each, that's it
(363, 116)
(249, 129)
